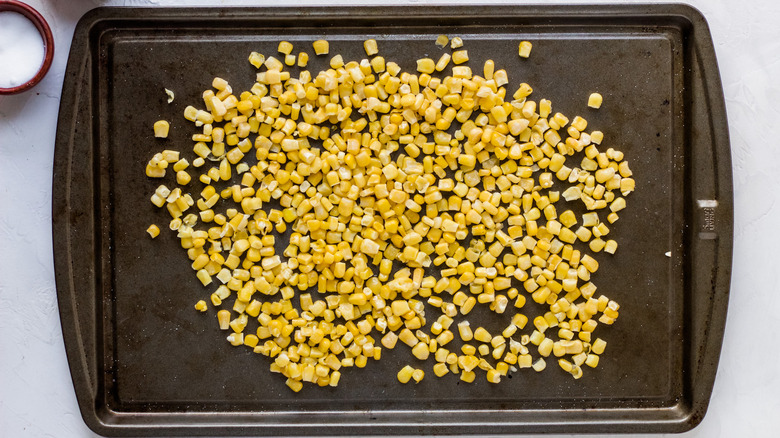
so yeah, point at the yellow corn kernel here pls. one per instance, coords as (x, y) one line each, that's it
(256, 59)
(405, 374)
(337, 61)
(295, 385)
(153, 230)
(183, 178)
(441, 64)
(204, 277)
(407, 337)
(546, 347)
(161, 128)
(418, 375)
(223, 316)
(598, 346)
(440, 369)
(303, 59)
(460, 56)
(421, 351)
(482, 335)
(468, 376)
(201, 306)
(285, 47)
(370, 47)
(426, 65)
(524, 50)
(321, 47)
(594, 100)
(456, 42)
(493, 376)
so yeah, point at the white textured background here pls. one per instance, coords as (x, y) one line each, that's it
(36, 393)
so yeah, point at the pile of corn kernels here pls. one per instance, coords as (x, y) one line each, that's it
(343, 211)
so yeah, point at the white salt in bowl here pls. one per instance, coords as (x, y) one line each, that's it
(47, 39)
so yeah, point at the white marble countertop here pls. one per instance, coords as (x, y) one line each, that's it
(36, 392)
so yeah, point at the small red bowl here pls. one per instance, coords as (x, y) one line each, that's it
(48, 42)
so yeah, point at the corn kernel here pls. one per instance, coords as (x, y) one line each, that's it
(594, 100)
(370, 47)
(525, 49)
(321, 47)
(153, 230)
(460, 56)
(161, 128)
(426, 65)
(285, 47)
(405, 374)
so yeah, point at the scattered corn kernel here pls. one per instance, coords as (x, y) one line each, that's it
(370, 47)
(321, 47)
(153, 230)
(594, 100)
(524, 49)
(405, 374)
(161, 128)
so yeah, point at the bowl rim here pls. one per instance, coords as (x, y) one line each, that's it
(48, 42)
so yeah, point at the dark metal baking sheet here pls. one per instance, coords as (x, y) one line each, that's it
(144, 363)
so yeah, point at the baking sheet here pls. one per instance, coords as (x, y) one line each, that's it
(145, 363)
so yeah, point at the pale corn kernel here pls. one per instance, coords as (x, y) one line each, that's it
(442, 40)
(456, 43)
